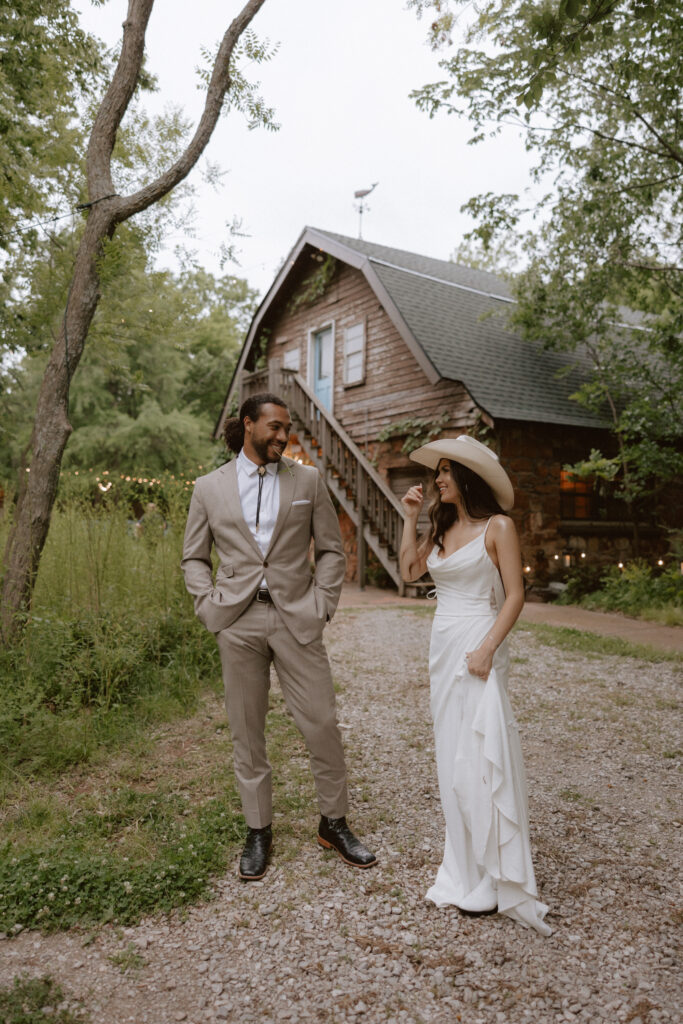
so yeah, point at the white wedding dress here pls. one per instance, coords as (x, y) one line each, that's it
(487, 858)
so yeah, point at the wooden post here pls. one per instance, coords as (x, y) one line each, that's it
(324, 443)
(273, 377)
(401, 581)
(362, 550)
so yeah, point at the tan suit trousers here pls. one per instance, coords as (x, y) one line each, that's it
(247, 647)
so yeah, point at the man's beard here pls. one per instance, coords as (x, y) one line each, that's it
(262, 450)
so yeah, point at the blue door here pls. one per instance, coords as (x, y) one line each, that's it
(323, 362)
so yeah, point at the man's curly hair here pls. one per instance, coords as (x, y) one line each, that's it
(233, 431)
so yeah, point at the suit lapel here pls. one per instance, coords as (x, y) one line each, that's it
(286, 477)
(234, 505)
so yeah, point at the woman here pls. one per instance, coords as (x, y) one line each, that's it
(472, 553)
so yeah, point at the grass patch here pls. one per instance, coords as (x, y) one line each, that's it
(84, 686)
(145, 833)
(572, 795)
(582, 642)
(36, 1001)
(141, 853)
(128, 959)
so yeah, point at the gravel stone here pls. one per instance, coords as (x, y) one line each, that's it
(317, 941)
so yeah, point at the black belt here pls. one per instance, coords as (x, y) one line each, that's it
(263, 596)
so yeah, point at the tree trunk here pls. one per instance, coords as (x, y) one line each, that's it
(106, 209)
(51, 430)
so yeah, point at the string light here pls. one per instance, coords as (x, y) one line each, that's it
(620, 565)
(583, 554)
(660, 561)
(527, 568)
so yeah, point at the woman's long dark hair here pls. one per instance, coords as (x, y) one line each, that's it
(233, 431)
(477, 497)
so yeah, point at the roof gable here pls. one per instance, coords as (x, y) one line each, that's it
(454, 320)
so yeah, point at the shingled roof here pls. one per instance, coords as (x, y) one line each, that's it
(458, 316)
(454, 319)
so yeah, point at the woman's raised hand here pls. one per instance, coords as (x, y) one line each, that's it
(412, 501)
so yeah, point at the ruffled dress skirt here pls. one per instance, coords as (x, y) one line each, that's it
(487, 855)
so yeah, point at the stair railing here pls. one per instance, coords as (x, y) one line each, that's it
(375, 504)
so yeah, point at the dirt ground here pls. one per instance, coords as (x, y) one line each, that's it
(319, 941)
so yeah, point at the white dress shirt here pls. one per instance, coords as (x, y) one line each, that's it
(248, 484)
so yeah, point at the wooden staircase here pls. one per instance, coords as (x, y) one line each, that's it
(365, 497)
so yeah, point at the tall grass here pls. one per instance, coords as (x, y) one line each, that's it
(112, 643)
(94, 826)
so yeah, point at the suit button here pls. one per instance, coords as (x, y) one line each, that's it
(265, 565)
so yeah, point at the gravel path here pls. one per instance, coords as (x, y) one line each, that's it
(318, 941)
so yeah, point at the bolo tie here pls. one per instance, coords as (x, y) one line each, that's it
(261, 474)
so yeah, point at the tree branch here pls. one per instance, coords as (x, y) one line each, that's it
(127, 206)
(116, 99)
(674, 153)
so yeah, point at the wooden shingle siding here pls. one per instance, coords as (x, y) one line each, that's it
(394, 387)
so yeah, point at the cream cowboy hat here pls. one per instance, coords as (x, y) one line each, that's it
(476, 456)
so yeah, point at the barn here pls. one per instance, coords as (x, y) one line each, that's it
(377, 350)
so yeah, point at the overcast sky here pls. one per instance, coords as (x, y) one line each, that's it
(340, 85)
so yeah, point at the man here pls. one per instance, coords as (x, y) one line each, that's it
(261, 511)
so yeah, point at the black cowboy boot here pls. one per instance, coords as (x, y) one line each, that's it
(335, 834)
(254, 859)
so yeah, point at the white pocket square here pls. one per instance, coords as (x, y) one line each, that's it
(303, 501)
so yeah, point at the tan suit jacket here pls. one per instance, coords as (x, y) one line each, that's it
(304, 600)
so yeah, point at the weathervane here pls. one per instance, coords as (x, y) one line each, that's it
(361, 206)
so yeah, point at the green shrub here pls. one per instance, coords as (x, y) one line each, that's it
(637, 586)
(636, 589)
(77, 684)
(581, 580)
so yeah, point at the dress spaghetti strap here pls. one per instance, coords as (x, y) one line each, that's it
(488, 523)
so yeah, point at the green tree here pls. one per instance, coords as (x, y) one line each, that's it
(106, 209)
(48, 67)
(153, 377)
(596, 87)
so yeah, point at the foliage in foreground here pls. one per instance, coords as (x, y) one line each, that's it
(79, 686)
(35, 1001)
